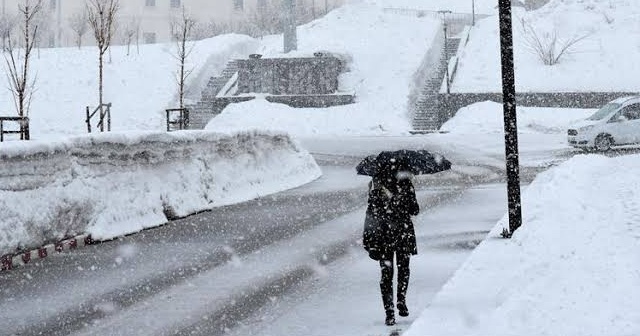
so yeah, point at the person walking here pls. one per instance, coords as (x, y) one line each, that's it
(392, 201)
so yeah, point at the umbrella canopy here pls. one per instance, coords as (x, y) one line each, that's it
(417, 162)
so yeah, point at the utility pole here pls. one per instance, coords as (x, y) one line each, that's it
(510, 122)
(289, 22)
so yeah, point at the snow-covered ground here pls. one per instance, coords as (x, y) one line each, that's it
(571, 269)
(140, 86)
(605, 60)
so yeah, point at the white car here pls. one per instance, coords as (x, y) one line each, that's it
(616, 123)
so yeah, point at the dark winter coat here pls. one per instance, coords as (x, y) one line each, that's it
(388, 226)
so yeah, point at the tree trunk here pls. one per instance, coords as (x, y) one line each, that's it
(100, 65)
(182, 60)
(21, 103)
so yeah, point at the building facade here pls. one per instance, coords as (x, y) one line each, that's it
(149, 21)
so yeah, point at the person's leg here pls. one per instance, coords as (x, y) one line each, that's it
(386, 289)
(403, 282)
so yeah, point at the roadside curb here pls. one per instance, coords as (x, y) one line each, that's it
(11, 261)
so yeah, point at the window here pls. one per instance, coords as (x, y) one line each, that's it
(238, 5)
(150, 3)
(175, 3)
(631, 112)
(149, 38)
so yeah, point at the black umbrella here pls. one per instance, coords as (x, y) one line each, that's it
(416, 162)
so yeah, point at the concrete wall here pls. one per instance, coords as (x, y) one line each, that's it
(289, 76)
(449, 104)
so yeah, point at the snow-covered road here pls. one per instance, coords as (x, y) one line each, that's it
(227, 262)
(344, 299)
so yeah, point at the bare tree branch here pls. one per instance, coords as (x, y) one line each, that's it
(181, 31)
(130, 29)
(17, 59)
(548, 47)
(7, 23)
(101, 15)
(79, 23)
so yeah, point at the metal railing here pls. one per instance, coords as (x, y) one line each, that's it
(105, 112)
(23, 122)
(180, 122)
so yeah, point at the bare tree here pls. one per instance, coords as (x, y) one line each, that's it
(209, 29)
(266, 19)
(7, 23)
(79, 23)
(43, 36)
(17, 59)
(548, 46)
(130, 29)
(101, 15)
(181, 30)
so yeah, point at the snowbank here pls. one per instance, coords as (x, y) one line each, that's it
(487, 117)
(385, 52)
(571, 269)
(113, 184)
(604, 61)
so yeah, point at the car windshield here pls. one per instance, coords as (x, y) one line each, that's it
(604, 111)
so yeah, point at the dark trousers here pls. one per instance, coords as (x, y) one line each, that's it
(386, 280)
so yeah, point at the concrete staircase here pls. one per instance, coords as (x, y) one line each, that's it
(427, 117)
(202, 112)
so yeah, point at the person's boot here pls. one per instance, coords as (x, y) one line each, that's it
(402, 308)
(390, 319)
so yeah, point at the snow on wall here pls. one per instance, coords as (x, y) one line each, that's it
(113, 184)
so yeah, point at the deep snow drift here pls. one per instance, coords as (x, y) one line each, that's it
(114, 184)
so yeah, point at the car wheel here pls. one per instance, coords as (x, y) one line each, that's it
(603, 142)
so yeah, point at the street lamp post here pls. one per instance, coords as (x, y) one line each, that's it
(444, 27)
(473, 12)
(510, 122)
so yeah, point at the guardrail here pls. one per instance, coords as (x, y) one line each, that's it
(451, 18)
(452, 64)
(230, 87)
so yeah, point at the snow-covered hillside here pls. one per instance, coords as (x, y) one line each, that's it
(605, 60)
